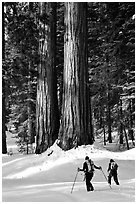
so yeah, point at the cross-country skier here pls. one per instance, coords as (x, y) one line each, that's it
(112, 170)
(89, 168)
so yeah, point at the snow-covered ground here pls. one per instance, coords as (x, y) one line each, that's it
(49, 177)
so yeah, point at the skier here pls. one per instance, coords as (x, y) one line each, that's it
(112, 170)
(88, 168)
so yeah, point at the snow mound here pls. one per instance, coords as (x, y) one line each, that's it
(55, 156)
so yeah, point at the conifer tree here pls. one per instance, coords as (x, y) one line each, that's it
(4, 145)
(76, 127)
(47, 115)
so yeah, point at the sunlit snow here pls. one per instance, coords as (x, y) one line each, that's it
(44, 178)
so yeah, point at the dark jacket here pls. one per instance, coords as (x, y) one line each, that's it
(86, 168)
(113, 167)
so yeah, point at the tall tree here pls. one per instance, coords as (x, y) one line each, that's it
(30, 88)
(21, 58)
(111, 42)
(121, 125)
(47, 114)
(76, 127)
(4, 145)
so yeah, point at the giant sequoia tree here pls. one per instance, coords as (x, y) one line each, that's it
(110, 62)
(4, 145)
(76, 127)
(47, 115)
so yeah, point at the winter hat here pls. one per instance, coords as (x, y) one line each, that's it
(86, 158)
(111, 160)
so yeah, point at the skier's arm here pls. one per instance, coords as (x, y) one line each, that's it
(97, 167)
(83, 169)
(109, 167)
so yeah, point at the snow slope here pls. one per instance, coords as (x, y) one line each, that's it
(49, 177)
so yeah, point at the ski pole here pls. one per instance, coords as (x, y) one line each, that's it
(106, 178)
(74, 181)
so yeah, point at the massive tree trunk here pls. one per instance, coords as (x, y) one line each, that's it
(4, 144)
(76, 128)
(47, 115)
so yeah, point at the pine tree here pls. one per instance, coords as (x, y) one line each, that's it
(76, 127)
(111, 63)
(21, 58)
(4, 145)
(47, 115)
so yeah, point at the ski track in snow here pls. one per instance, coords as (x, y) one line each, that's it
(10, 162)
(70, 183)
(64, 189)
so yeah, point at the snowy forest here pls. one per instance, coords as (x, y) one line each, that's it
(68, 73)
(68, 88)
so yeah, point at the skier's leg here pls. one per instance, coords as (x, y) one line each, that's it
(88, 185)
(91, 186)
(87, 182)
(116, 178)
(109, 178)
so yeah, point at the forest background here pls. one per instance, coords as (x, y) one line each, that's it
(68, 73)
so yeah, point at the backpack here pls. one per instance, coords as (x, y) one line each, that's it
(114, 166)
(90, 165)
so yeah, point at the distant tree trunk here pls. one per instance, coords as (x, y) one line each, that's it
(60, 93)
(109, 117)
(130, 130)
(121, 125)
(126, 137)
(103, 124)
(76, 127)
(4, 144)
(104, 134)
(100, 117)
(30, 129)
(27, 144)
(47, 115)
(125, 133)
